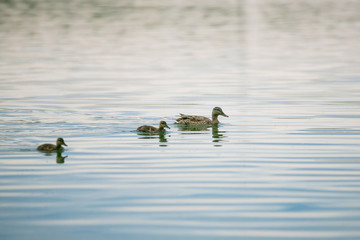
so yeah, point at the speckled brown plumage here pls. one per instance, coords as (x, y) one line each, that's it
(48, 147)
(200, 120)
(151, 129)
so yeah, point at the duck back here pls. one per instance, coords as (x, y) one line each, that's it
(47, 147)
(192, 119)
(146, 128)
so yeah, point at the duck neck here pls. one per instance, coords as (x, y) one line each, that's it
(58, 146)
(215, 119)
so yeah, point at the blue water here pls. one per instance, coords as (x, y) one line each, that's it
(284, 165)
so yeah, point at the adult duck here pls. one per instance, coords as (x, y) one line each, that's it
(200, 120)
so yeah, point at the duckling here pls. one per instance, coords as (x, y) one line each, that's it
(200, 120)
(48, 147)
(151, 129)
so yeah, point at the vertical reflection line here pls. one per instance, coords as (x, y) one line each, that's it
(252, 19)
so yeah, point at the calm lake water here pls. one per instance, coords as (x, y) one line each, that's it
(284, 165)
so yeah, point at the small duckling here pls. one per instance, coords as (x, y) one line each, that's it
(151, 129)
(200, 120)
(48, 147)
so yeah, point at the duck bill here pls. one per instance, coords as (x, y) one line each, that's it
(64, 144)
(223, 114)
(167, 126)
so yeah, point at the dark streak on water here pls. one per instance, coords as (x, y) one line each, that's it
(284, 165)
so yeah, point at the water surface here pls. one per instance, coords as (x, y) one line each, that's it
(285, 164)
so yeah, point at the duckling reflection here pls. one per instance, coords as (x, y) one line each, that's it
(217, 135)
(59, 158)
(161, 136)
(163, 140)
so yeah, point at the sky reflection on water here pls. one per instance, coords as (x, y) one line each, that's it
(285, 164)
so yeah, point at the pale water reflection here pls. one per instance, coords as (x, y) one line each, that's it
(284, 165)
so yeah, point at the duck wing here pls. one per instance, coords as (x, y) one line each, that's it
(147, 128)
(193, 119)
(46, 147)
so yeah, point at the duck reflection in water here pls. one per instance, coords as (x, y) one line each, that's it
(161, 136)
(59, 158)
(217, 135)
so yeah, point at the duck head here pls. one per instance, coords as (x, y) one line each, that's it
(218, 111)
(163, 124)
(60, 141)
